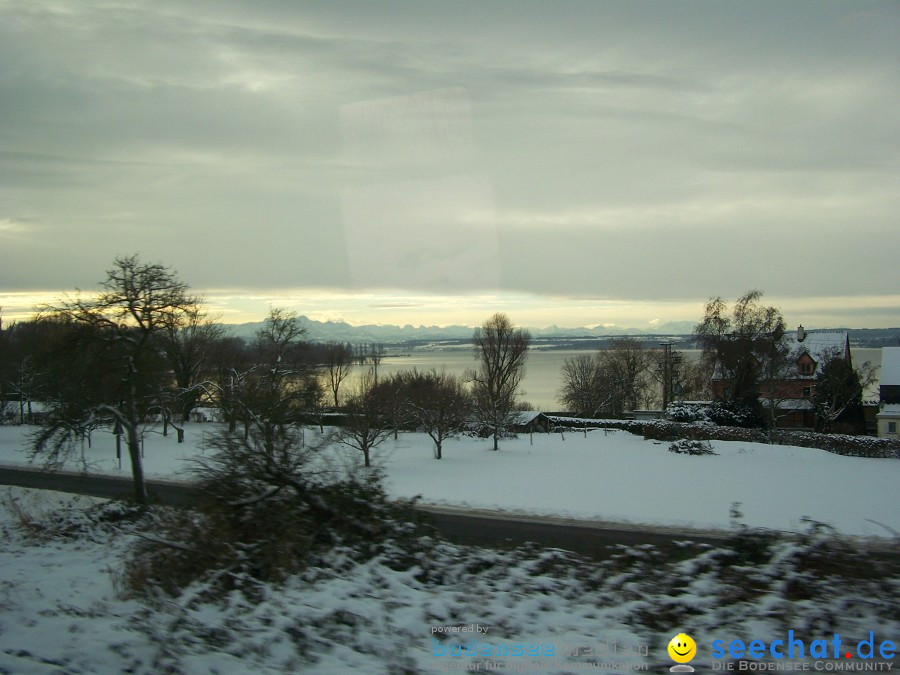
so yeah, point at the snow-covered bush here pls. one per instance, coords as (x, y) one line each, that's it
(687, 412)
(730, 414)
(691, 447)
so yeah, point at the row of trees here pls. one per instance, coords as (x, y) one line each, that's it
(142, 347)
(628, 376)
(748, 366)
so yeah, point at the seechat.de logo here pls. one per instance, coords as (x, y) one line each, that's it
(682, 649)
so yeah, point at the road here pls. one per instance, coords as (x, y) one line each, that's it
(484, 528)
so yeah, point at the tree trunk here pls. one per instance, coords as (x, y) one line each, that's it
(137, 467)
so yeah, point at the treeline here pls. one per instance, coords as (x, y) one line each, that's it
(142, 349)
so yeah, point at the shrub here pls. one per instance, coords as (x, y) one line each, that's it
(730, 414)
(840, 444)
(273, 505)
(691, 447)
(687, 412)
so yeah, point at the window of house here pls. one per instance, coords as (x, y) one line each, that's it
(807, 392)
(892, 427)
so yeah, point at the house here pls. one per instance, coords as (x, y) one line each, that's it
(888, 416)
(789, 384)
(889, 421)
(792, 387)
(889, 386)
(530, 421)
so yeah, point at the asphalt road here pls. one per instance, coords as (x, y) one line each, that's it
(596, 540)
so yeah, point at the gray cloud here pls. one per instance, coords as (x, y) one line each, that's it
(637, 150)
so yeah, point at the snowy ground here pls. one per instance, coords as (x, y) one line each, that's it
(62, 609)
(607, 477)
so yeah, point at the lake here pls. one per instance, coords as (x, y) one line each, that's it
(543, 369)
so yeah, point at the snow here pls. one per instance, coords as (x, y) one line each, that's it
(607, 476)
(63, 609)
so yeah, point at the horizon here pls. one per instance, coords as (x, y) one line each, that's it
(357, 311)
(428, 163)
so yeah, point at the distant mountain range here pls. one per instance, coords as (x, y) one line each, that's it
(340, 331)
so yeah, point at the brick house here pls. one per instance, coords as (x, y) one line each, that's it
(790, 386)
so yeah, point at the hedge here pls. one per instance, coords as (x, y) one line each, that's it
(840, 444)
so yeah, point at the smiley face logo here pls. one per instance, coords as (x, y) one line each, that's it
(682, 648)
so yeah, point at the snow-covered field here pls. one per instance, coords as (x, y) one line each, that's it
(64, 609)
(613, 476)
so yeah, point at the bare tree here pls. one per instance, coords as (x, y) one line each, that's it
(230, 364)
(501, 350)
(439, 404)
(393, 392)
(734, 346)
(188, 341)
(582, 390)
(366, 425)
(376, 355)
(776, 372)
(338, 363)
(129, 313)
(625, 367)
(276, 392)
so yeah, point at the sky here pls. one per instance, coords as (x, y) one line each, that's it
(569, 163)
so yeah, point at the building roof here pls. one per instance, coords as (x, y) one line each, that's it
(890, 366)
(891, 410)
(819, 345)
(526, 416)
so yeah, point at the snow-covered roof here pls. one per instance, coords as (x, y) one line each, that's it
(890, 366)
(790, 404)
(819, 345)
(891, 410)
(526, 416)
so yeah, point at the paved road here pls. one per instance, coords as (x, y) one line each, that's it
(463, 526)
(109, 487)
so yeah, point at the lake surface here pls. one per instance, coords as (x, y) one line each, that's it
(543, 369)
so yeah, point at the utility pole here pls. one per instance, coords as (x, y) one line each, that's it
(671, 359)
(666, 377)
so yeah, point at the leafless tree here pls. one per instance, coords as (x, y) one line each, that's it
(582, 390)
(625, 367)
(501, 350)
(276, 391)
(129, 313)
(734, 346)
(376, 355)
(439, 404)
(366, 423)
(338, 363)
(393, 393)
(776, 370)
(188, 340)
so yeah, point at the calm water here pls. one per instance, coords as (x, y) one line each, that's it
(543, 369)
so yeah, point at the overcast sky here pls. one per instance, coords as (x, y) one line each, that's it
(575, 163)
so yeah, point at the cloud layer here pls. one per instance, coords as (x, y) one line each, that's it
(631, 151)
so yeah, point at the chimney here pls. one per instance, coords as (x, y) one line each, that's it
(801, 333)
